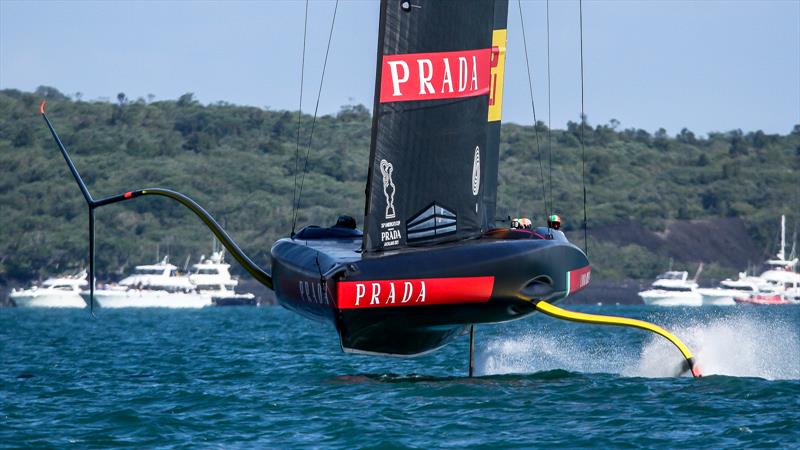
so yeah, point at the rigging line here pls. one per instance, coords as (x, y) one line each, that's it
(583, 147)
(316, 110)
(299, 114)
(533, 108)
(549, 115)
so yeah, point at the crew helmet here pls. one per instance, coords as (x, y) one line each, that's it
(554, 221)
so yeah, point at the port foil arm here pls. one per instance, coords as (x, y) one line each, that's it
(257, 272)
(564, 314)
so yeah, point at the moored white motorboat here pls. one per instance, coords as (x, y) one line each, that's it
(780, 283)
(780, 287)
(212, 277)
(151, 286)
(148, 298)
(672, 289)
(58, 292)
(728, 289)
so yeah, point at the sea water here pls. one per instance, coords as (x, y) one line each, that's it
(267, 378)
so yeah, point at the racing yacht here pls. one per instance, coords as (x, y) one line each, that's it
(431, 260)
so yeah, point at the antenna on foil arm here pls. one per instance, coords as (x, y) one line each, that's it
(257, 272)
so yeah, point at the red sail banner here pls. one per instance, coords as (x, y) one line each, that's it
(413, 292)
(433, 76)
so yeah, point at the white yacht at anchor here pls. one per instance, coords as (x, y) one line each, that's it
(212, 277)
(672, 288)
(780, 283)
(151, 286)
(729, 289)
(776, 285)
(57, 292)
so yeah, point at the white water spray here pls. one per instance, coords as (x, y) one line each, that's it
(741, 346)
(541, 350)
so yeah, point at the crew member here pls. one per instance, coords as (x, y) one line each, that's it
(553, 229)
(521, 223)
(554, 222)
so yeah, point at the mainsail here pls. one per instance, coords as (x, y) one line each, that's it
(436, 122)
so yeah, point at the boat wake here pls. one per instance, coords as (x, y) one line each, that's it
(739, 346)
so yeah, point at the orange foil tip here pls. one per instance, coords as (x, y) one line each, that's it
(696, 372)
(41, 107)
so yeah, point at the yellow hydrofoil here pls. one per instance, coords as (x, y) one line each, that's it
(564, 314)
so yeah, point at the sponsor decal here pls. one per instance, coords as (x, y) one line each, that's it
(413, 292)
(578, 279)
(476, 171)
(432, 76)
(313, 292)
(390, 230)
(390, 233)
(497, 65)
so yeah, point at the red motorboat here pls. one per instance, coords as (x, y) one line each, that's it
(764, 299)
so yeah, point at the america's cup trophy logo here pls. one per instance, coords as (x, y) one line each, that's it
(388, 187)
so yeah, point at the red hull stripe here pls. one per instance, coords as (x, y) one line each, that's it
(413, 292)
(579, 279)
(433, 76)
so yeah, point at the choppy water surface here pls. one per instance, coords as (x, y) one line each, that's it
(264, 377)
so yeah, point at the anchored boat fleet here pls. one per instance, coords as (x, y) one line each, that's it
(779, 284)
(150, 286)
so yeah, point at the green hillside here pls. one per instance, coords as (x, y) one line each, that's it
(239, 162)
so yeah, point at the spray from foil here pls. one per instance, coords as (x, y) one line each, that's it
(543, 350)
(740, 346)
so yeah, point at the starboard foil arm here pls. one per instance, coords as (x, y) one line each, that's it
(564, 314)
(257, 272)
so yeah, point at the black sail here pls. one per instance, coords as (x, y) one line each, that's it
(436, 123)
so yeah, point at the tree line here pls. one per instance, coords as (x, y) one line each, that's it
(240, 163)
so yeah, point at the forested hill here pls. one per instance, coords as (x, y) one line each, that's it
(239, 162)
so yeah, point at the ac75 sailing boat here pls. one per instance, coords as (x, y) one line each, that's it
(430, 262)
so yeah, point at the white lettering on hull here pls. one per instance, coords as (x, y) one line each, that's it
(413, 292)
(314, 293)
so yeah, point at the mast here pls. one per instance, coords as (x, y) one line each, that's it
(782, 253)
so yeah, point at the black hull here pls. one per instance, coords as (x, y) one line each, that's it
(411, 302)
